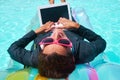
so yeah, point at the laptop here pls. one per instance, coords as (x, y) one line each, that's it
(53, 12)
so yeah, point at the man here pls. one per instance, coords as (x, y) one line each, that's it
(61, 48)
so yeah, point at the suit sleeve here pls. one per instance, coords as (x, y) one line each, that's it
(88, 50)
(18, 52)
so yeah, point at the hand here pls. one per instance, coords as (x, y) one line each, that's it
(44, 28)
(68, 24)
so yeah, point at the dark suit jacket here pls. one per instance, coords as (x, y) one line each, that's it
(83, 51)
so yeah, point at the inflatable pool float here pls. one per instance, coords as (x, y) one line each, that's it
(32, 74)
(104, 71)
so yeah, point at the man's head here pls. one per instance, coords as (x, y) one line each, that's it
(56, 59)
(55, 65)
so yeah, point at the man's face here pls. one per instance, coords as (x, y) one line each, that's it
(50, 48)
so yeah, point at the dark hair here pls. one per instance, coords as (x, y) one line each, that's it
(55, 65)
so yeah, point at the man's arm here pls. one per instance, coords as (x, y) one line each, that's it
(18, 52)
(85, 51)
(91, 36)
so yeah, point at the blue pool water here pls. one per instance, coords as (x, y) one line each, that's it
(16, 15)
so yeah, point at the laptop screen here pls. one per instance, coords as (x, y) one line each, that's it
(53, 13)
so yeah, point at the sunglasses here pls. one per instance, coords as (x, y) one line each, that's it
(61, 41)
